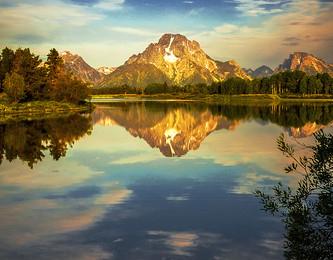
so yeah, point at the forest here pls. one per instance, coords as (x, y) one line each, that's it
(24, 77)
(282, 84)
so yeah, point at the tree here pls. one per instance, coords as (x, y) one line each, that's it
(54, 64)
(6, 64)
(303, 86)
(307, 211)
(28, 66)
(62, 86)
(14, 86)
(326, 81)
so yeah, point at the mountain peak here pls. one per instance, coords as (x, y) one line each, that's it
(168, 36)
(67, 53)
(79, 68)
(176, 58)
(260, 72)
(305, 62)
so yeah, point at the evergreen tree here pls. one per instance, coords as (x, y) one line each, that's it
(6, 64)
(28, 66)
(312, 85)
(303, 87)
(54, 64)
(62, 86)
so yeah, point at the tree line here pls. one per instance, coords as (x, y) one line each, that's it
(25, 77)
(283, 83)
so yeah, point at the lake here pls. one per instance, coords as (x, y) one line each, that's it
(149, 180)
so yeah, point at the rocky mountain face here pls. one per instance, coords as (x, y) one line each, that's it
(261, 72)
(80, 69)
(106, 70)
(305, 62)
(173, 59)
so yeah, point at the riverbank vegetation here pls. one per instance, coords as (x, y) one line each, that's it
(26, 81)
(289, 84)
(307, 209)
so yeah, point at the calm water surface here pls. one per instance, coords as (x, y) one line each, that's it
(148, 180)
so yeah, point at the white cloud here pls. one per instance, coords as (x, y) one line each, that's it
(110, 4)
(255, 8)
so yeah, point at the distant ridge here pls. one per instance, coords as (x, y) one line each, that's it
(262, 71)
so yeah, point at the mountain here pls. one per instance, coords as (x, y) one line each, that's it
(106, 70)
(80, 69)
(249, 71)
(261, 72)
(173, 59)
(305, 62)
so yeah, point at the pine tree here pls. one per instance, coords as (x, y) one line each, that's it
(6, 64)
(54, 64)
(303, 86)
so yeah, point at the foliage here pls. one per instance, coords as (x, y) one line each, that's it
(14, 86)
(6, 64)
(307, 211)
(284, 83)
(42, 81)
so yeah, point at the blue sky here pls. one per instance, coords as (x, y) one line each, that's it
(107, 32)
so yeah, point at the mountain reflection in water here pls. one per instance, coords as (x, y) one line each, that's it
(176, 129)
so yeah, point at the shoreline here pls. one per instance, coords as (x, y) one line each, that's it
(40, 109)
(266, 98)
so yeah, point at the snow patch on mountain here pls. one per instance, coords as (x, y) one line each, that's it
(169, 55)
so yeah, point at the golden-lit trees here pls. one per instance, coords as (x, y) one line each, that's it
(14, 86)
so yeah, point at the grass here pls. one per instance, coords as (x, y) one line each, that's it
(38, 109)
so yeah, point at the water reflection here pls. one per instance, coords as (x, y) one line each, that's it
(176, 129)
(28, 140)
(114, 197)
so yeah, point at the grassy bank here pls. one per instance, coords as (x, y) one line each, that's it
(267, 98)
(37, 109)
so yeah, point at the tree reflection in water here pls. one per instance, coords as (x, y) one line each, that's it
(28, 140)
(307, 211)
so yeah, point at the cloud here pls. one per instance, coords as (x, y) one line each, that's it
(260, 7)
(196, 11)
(110, 4)
(133, 31)
(188, 2)
(43, 20)
(305, 25)
(226, 28)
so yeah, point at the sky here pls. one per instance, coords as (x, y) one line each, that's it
(108, 32)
